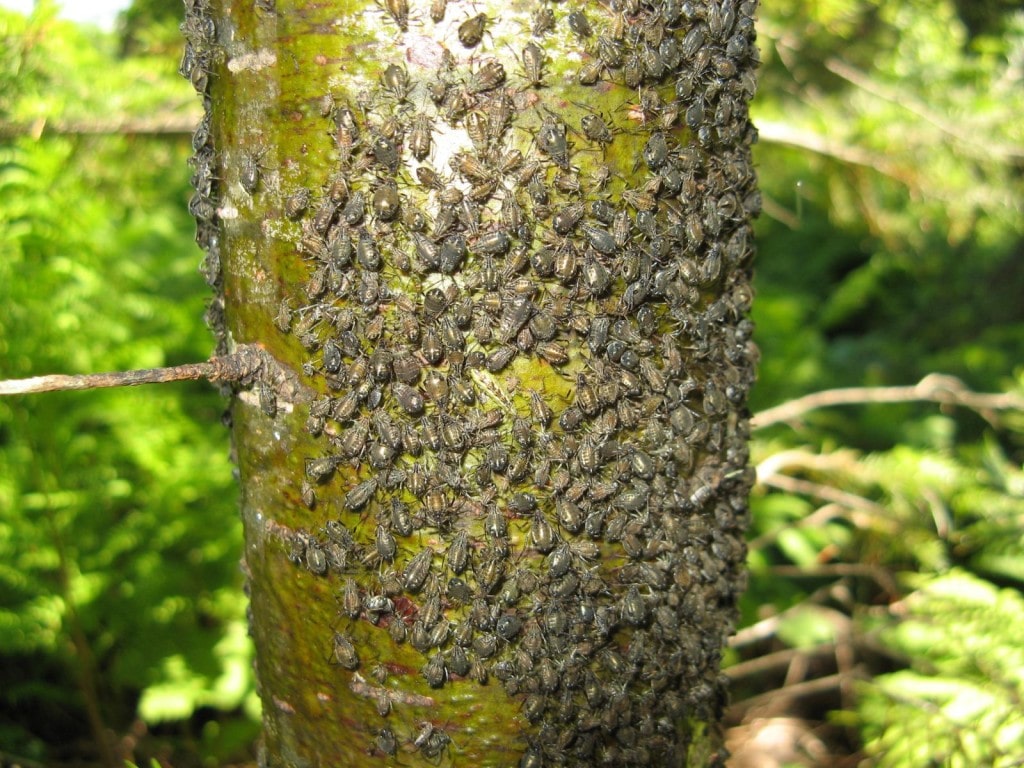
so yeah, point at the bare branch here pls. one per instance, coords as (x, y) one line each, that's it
(782, 133)
(935, 388)
(825, 492)
(245, 364)
(881, 576)
(161, 123)
(949, 126)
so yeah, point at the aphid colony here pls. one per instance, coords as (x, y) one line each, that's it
(196, 64)
(585, 521)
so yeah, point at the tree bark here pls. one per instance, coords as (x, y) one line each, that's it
(504, 249)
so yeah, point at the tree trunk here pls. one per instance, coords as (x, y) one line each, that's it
(494, 498)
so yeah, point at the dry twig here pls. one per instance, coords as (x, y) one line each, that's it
(249, 362)
(935, 388)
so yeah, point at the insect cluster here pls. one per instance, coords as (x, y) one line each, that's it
(533, 371)
(196, 66)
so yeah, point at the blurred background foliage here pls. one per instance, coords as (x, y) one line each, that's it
(883, 621)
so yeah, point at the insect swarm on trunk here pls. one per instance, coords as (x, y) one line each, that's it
(519, 358)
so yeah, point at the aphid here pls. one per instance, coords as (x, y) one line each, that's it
(634, 610)
(366, 252)
(490, 573)
(379, 604)
(522, 503)
(489, 76)
(596, 129)
(451, 336)
(395, 79)
(344, 652)
(655, 151)
(499, 358)
(497, 457)
(567, 218)
(386, 203)
(354, 209)
(579, 24)
(408, 398)
(320, 470)
(458, 661)
(385, 543)
(533, 64)
(590, 72)
(493, 243)
(540, 410)
(554, 353)
(397, 630)
(457, 557)
(249, 174)
(430, 611)
(543, 21)
(353, 440)
(499, 113)
(560, 561)
(508, 626)
(417, 570)
(495, 524)
(316, 560)
(571, 419)
(476, 127)
(296, 203)
(360, 494)
(436, 743)
(542, 534)
(267, 399)
(596, 277)
(451, 253)
(471, 31)
(420, 136)
(308, 495)
(640, 199)
(566, 264)
(386, 742)
(586, 396)
(399, 11)
(551, 140)
(569, 515)
(693, 41)
(518, 467)
(453, 434)
(565, 587)
(385, 152)
(351, 605)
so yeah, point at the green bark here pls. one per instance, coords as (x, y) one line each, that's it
(498, 519)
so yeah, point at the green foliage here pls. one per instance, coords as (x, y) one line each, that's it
(890, 162)
(890, 165)
(119, 535)
(958, 703)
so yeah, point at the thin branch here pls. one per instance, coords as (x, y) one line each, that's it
(59, 382)
(881, 576)
(909, 102)
(782, 133)
(825, 492)
(247, 363)
(782, 699)
(165, 123)
(935, 388)
(770, 663)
